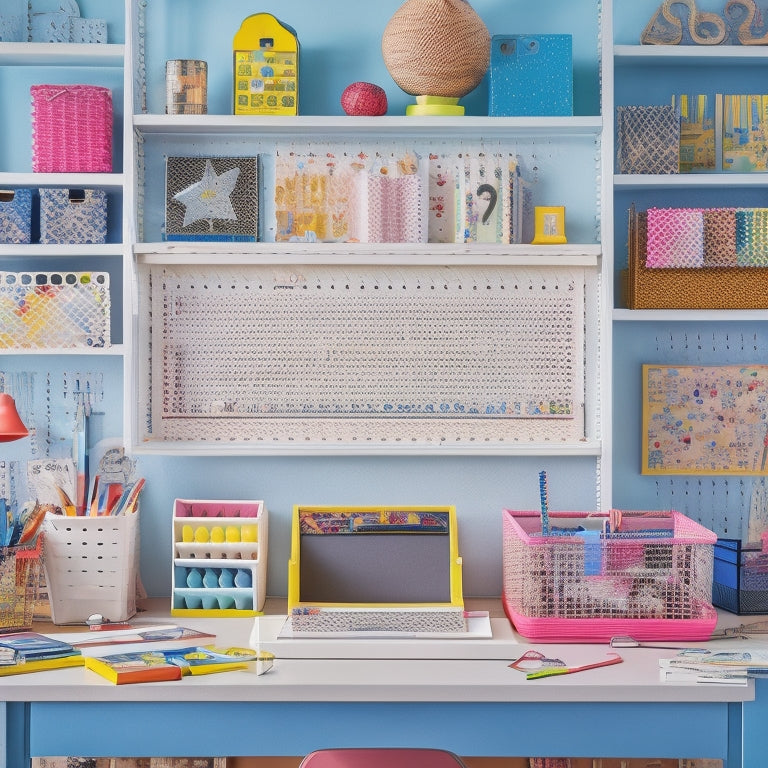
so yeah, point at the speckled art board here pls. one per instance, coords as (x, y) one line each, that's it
(705, 420)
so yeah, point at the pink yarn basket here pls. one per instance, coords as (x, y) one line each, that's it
(71, 129)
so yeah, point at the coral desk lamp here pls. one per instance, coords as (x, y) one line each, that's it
(11, 425)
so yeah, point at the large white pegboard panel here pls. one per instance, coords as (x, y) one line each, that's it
(304, 355)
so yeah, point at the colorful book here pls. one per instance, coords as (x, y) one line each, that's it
(697, 131)
(23, 647)
(155, 666)
(745, 133)
(165, 634)
(42, 665)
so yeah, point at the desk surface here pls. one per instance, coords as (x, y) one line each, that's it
(471, 671)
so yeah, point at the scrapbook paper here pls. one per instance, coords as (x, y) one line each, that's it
(212, 198)
(752, 237)
(720, 237)
(745, 133)
(675, 237)
(697, 131)
(647, 139)
(320, 197)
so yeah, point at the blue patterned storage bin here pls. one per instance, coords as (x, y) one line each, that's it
(531, 75)
(15, 215)
(73, 216)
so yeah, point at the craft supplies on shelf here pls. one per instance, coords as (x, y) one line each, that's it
(645, 574)
(15, 215)
(19, 582)
(54, 310)
(73, 216)
(71, 129)
(91, 566)
(648, 139)
(212, 198)
(740, 577)
(186, 87)
(705, 287)
(219, 557)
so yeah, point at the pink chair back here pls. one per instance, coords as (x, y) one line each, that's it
(381, 758)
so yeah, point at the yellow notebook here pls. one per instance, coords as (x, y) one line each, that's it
(42, 665)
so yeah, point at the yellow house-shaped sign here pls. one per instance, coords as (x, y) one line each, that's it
(266, 67)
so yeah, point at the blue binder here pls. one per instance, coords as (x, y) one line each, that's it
(531, 75)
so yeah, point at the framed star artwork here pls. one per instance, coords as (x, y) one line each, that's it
(212, 198)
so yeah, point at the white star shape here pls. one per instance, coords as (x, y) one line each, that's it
(209, 197)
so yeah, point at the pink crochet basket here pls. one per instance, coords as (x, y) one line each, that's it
(71, 129)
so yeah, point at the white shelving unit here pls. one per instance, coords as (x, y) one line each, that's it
(646, 75)
(26, 63)
(550, 144)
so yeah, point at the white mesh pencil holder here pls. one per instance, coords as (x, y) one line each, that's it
(91, 566)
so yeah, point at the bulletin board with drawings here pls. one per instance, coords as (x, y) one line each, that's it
(705, 420)
(389, 357)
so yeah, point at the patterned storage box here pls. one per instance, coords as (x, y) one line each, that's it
(741, 577)
(63, 25)
(87, 30)
(15, 216)
(73, 216)
(531, 75)
(647, 139)
(644, 574)
(66, 310)
(212, 198)
(13, 21)
(71, 129)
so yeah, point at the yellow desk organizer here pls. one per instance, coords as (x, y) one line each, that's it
(380, 569)
(266, 67)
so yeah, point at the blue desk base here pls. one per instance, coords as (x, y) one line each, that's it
(291, 728)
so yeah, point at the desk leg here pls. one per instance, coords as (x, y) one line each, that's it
(16, 734)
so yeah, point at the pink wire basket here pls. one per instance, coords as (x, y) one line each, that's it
(649, 576)
(71, 129)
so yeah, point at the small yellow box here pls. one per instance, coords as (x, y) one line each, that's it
(375, 569)
(266, 67)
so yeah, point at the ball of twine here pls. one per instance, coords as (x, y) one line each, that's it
(436, 47)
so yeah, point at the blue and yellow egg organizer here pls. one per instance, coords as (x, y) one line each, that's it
(219, 558)
(375, 569)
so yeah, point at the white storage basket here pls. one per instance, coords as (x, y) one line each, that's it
(91, 566)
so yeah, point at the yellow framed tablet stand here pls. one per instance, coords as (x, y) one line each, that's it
(375, 569)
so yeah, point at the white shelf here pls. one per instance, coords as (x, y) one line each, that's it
(311, 126)
(689, 315)
(689, 180)
(69, 180)
(691, 55)
(413, 254)
(399, 448)
(47, 251)
(114, 350)
(62, 54)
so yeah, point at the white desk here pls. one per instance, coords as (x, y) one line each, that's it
(473, 706)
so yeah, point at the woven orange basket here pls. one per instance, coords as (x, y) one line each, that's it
(71, 129)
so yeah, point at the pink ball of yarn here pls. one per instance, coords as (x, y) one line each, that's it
(364, 99)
